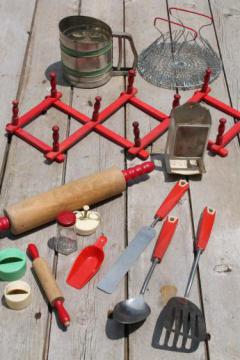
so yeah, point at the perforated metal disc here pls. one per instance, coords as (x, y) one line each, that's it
(181, 65)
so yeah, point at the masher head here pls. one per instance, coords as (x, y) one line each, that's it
(131, 311)
(180, 327)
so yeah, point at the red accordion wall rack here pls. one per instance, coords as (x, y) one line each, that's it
(57, 151)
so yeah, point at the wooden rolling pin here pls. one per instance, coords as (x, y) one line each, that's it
(43, 208)
(49, 284)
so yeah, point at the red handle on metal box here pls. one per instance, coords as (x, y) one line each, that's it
(205, 227)
(172, 199)
(164, 237)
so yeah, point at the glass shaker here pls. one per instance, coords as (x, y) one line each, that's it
(66, 241)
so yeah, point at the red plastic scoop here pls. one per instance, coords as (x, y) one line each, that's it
(87, 263)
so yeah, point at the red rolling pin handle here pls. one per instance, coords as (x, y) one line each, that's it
(62, 313)
(4, 223)
(138, 170)
(172, 199)
(32, 251)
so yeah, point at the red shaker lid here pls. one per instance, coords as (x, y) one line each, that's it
(66, 218)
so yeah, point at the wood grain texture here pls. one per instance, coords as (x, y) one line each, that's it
(15, 25)
(27, 174)
(144, 200)
(90, 336)
(47, 280)
(226, 18)
(219, 266)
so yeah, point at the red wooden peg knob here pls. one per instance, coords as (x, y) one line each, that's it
(221, 129)
(206, 80)
(136, 132)
(55, 136)
(97, 105)
(53, 82)
(15, 111)
(131, 76)
(176, 100)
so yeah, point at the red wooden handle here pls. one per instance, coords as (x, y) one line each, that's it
(172, 199)
(32, 251)
(164, 237)
(205, 227)
(62, 313)
(138, 170)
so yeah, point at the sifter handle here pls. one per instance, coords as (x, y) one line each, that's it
(205, 228)
(172, 199)
(164, 237)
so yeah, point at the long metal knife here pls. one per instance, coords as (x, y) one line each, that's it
(141, 240)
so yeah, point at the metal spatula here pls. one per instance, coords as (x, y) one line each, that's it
(181, 325)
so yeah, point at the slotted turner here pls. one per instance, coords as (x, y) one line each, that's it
(181, 325)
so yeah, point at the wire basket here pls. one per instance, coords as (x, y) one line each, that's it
(179, 57)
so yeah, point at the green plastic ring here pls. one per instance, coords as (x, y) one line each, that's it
(12, 264)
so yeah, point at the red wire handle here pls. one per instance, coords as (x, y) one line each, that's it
(190, 11)
(165, 236)
(175, 23)
(205, 228)
(172, 199)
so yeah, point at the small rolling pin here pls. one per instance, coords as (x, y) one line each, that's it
(49, 284)
(44, 208)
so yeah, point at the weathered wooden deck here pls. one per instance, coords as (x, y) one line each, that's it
(28, 47)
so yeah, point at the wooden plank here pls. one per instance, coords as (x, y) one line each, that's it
(172, 274)
(15, 25)
(226, 18)
(87, 336)
(27, 174)
(217, 188)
